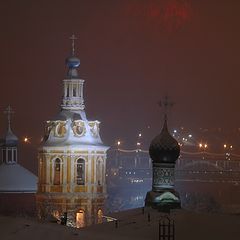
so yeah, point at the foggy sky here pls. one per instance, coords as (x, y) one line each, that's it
(132, 54)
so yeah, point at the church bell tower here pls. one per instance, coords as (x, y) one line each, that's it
(72, 158)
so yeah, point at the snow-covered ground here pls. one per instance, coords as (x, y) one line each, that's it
(132, 224)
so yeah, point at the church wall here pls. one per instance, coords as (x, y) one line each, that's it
(68, 196)
(18, 204)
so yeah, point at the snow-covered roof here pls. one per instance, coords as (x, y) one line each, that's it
(71, 128)
(15, 178)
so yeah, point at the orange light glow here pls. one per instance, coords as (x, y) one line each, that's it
(26, 140)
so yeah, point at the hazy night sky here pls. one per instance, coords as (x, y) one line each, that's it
(132, 53)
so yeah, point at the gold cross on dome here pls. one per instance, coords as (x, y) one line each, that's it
(73, 38)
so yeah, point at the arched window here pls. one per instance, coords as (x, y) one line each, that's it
(74, 91)
(80, 219)
(9, 150)
(9, 155)
(80, 172)
(99, 172)
(67, 91)
(57, 171)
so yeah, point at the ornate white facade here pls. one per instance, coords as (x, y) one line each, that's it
(72, 159)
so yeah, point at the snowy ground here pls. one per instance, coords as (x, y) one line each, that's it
(132, 224)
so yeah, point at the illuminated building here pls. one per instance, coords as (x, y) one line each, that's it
(164, 150)
(72, 158)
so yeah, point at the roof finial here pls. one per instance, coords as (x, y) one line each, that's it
(9, 111)
(166, 104)
(73, 38)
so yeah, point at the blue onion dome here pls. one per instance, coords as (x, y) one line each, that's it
(164, 148)
(73, 62)
(10, 139)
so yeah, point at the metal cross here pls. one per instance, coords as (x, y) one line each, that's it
(73, 38)
(9, 111)
(166, 104)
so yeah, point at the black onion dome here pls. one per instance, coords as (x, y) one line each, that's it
(164, 148)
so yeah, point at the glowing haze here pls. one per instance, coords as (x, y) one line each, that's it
(132, 53)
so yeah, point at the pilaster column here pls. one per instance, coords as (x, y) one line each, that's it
(72, 172)
(48, 180)
(78, 90)
(65, 174)
(65, 90)
(71, 90)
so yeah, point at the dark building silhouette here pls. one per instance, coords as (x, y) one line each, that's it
(164, 150)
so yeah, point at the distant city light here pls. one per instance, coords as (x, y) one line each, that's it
(190, 135)
(118, 143)
(201, 145)
(26, 140)
(231, 146)
(138, 144)
(139, 134)
(225, 145)
(175, 131)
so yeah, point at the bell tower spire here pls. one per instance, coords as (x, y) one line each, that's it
(73, 85)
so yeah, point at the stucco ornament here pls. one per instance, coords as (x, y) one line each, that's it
(94, 128)
(79, 128)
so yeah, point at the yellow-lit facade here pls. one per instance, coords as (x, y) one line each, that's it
(59, 190)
